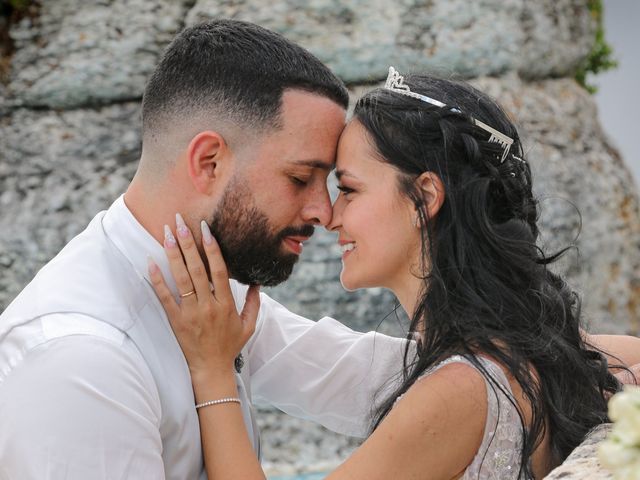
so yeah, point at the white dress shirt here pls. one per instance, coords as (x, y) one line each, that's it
(93, 383)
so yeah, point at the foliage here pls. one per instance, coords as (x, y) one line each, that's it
(600, 59)
(11, 11)
(17, 4)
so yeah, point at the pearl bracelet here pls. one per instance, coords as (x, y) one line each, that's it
(218, 402)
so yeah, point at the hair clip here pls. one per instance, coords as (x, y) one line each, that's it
(395, 83)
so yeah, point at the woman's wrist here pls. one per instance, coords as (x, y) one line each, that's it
(212, 384)
(211, 369)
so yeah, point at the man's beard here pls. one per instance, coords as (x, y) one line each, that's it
(252, 252)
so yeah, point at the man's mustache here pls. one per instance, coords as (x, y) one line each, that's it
(303, 231)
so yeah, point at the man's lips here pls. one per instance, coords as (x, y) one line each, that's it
(295, 243)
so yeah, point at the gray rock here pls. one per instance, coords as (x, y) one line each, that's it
(558, 35)
(78, 162)
(291, 445)
(79, 53)
(57, 170)
(4, 107)
(76, 54)
(358, 39)
(575, 166)
(583, 461)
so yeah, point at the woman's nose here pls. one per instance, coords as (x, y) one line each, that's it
(336, 214)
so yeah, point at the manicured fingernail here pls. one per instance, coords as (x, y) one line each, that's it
(183, 231)
(153, 267)
(169, 239)
(207, 238)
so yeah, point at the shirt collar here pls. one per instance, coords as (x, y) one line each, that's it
(136, 243)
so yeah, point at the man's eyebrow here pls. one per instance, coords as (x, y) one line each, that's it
(319, 164)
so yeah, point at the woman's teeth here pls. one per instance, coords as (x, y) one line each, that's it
(347, 247)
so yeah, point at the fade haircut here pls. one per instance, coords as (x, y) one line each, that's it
(234, 71)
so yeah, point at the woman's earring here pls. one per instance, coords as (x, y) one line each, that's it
(416, 221)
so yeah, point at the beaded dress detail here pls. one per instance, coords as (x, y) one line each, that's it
(500, 452)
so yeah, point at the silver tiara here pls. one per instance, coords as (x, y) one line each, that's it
(395, 83)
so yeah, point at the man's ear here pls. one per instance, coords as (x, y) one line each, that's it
(431, 188)
(207, 156)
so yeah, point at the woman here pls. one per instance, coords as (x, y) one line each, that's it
(435, 205)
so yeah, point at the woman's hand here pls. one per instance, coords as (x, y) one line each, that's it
(206, 322)
(211, 333)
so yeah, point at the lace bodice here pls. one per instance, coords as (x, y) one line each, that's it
(499, 453)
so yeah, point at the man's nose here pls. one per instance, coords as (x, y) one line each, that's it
(336, 216)
(318, 211)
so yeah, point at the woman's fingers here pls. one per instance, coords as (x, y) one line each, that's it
(178, 268)
(162, 291)
(249, 314)
(208, 328)
(194, 265)
(217, 267)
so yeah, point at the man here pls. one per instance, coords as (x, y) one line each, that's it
(239, 128)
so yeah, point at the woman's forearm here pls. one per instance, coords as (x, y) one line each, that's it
(623, 349)
(228, 453)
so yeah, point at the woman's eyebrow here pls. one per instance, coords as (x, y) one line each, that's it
(342, 173)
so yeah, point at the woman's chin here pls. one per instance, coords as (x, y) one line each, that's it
(351, 284)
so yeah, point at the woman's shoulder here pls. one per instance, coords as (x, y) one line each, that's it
(437, 426)
(457, 376)
(445, 413)
(476, 393)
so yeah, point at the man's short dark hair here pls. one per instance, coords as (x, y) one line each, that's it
(237, 69)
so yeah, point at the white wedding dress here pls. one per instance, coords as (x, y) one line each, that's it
(500, 452)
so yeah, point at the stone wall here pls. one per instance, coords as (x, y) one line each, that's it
(583, 461)
(70, 139)
(69, 131)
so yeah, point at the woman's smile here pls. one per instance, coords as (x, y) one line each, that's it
(347, 248)
(374, 220)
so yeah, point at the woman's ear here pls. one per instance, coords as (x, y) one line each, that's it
(205, 155)
(431, 189)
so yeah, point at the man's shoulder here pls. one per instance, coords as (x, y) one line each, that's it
(72, 340)
(88, 277)
(78, 396)
(64, 337)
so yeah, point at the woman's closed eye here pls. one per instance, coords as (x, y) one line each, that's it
(345, 190)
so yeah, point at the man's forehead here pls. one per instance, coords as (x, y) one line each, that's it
(301, 109)
(314, 163)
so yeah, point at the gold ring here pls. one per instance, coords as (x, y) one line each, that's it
(184, 295)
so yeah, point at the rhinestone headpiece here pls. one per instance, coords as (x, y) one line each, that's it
(395, 83)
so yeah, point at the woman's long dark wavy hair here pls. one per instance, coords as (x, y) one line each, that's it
(487, 286)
